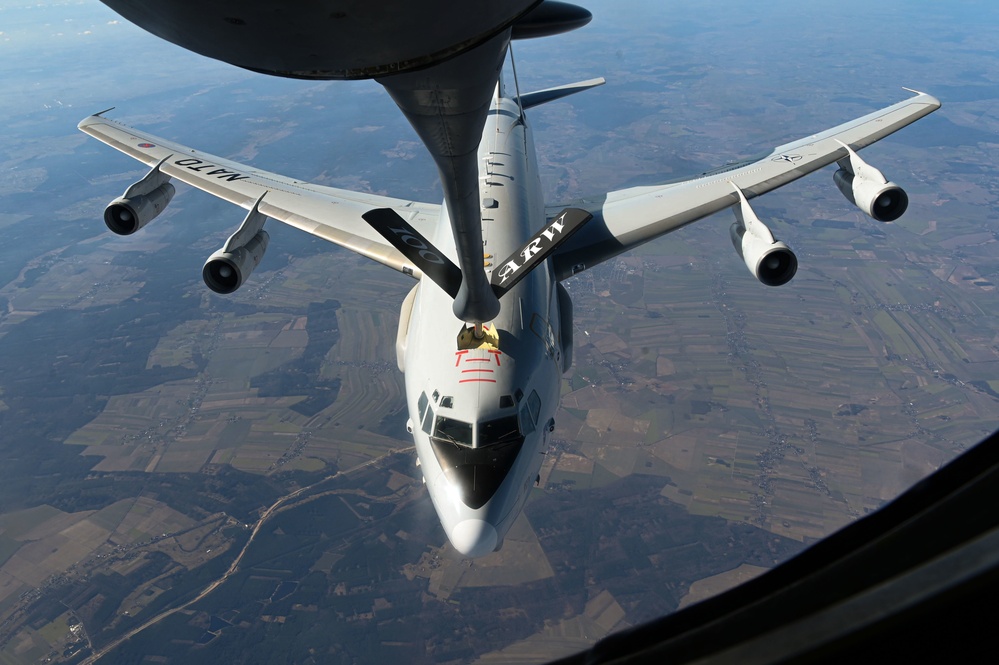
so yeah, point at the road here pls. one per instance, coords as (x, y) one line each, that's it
(274, 507)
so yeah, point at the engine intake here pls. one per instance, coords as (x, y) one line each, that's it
(226, 271)
(141, 203)
(868, 189)
(769, 260)
(885, 201)
(774, 264)
(125, 216)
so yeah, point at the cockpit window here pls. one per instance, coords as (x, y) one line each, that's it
(506, 401)
(421, 405)
(526, 421)
(478, 472)
(428, 420)
(543, 330)
(447, 401)
(500, 430)
(534, 404)
(453, 430)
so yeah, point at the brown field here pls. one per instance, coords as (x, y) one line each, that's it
(826, 382)
(714, 585)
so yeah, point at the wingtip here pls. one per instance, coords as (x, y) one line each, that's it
(925, 97)
(90, 118)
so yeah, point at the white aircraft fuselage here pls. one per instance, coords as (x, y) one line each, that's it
(481, 409)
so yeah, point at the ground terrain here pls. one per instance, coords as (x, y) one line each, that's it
(710, 426)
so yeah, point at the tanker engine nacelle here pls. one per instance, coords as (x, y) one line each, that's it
(224, 272)
(227, 269)
(771, 261)
(868, 189)
(141, 203)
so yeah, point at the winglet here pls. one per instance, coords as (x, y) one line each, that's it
(926, 97)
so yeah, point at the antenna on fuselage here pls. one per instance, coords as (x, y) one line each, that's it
(516, 84)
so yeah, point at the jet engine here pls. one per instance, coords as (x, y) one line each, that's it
(771, 261)
(224, 272)
(868, 189)
(227, 269)
(141, 203)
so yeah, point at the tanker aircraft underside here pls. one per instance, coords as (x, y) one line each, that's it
(486, 331)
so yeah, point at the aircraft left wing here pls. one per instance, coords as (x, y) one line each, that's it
(627, 218)
(326, 212)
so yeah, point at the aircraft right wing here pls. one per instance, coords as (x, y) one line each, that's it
(627, 218)
(326, 212)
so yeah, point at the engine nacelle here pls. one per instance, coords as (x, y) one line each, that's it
(771, 261)
(141, 202)
(774, 263)
(868, 189)
(884, 201)
(125, 216)
(226, 271)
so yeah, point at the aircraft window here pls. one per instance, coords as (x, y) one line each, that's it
(454, 431)
(500, 430)
(525, 421)
(421, 404)
(506, 401)
(428, 420)
(447, 401)
(519, 395)
(435, 396)
(476, 472)
(534, 404)
(543, 330)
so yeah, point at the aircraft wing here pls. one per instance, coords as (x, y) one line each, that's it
(326, 212)
(627, 218)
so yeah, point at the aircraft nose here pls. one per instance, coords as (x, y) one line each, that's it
(474, 538)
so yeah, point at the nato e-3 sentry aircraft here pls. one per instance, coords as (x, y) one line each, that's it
(486, 332)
